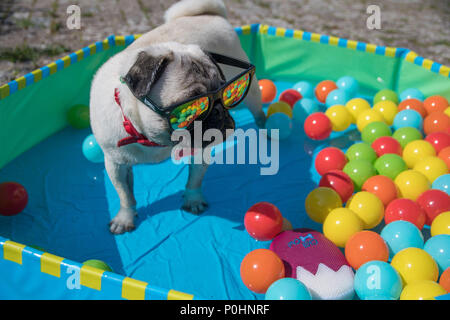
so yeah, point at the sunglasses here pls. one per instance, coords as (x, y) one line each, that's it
(230, 94)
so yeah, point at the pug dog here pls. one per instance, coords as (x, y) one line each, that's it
(169, 64)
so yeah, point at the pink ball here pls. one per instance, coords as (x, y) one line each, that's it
(317, 126)
(330, 158)
(384, 145)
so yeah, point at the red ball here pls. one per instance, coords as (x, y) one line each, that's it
(330, 158)
(340, 182)
(439, 140)
(384, 145)
(317, 126)
(433, 202)
(263, 221)
(290, 96)
(13, 198)
(405, 209)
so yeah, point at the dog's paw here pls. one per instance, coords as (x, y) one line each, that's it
(194, 202)
(123, 221)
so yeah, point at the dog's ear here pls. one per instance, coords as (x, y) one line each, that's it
(145, 72)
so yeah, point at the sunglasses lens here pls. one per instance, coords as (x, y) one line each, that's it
(236, 90)
(182, 116)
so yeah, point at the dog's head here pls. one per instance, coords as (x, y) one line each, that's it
(171, 73)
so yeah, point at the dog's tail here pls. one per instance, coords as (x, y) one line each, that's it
(186, 8)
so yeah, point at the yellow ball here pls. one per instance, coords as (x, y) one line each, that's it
(387, 109)
(356, 106)
(422, 290)
(414, 264)
(340, 225)
(411, 184)
(431, 167)
(441, 224)
(366, 117)
(417, 150)
(279, 106)
(340, 117)
(368, 207)
(447, 111)
(320, 202)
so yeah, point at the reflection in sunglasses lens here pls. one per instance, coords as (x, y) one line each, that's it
(182, 116)
(234, 92)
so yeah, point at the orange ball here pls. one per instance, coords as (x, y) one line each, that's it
(413, 104)
(444, 281)
(444, 154)
(435, 103)
(268, 90)
(436, 122)
(260, 268)
(383, 187)
(365, 246)
(323, 89)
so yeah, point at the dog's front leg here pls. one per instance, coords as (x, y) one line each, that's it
(194, 201)
(122, 179)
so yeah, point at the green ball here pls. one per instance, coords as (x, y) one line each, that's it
(78, 116)
(98, 264)
(384, 95)
(406, 134)
(390, 165)
(375, 130)
(361, 151)
(359, 171)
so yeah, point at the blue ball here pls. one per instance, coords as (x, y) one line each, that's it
(288, 289)
(348, 84)
(303, 108)
(439, 248)
(408, 118)
(280, 121)
(92, 150)
(337, 96)
(412, 93)
(400, 235)
(442, 183)
(305, 88)
(377, 279)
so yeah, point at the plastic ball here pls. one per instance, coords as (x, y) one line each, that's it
(349, 84)
(305, 88)
(290, 96)
(377, 279)
(78, 116)
(268, 90)
(441, 224)
(436, 122)
(365, 246)
(263, 221)
(361, 151)
(279, 106)
(390, 165)
(356, 106)
(401, 234)
(91, 150)
(414, 264)
(381, 186)
(387, 145)
(340, 182)
(260, 268)
(329, 158)
(442, 183)
(281, 122)
(411, 93)
(447, 111)
(13, 198)
(408, 118)
(359, 171)
(416, 151)
(323, 88)
(387, 109)
(317, 126)
(320, 202)
(366, 117)
(406, 210)
(439, 140)
(288, 289)
(303, 108)
(384, 95)
(411, 184)
(444, 154)
(406, 134)
(413, 104)
(98, 264)
(422, 290)
(435, 103)
(339, 116)
(444, 280)
(287, 225)
(336, 97)
(368, 208)
(433, 202)
(439, 248)
(431, 167)
(375, 130)
(340, 225)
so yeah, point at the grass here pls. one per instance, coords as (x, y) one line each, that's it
(25, 53)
